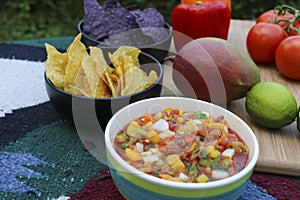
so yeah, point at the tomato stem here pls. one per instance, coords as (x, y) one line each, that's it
(281, 10)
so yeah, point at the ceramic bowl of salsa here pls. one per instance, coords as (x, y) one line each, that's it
(172, 148)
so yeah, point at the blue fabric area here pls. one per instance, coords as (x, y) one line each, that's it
(46, 163)
(13, 165)
(255, 192)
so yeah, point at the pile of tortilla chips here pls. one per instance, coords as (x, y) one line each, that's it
(80, 73)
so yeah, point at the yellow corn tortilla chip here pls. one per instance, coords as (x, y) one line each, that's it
(103, 91)
(91, 75)
(55, 65)
(133, 79)
(101, 65)
(76, 52)
(80, 87)
(105, 73)
(128, 51)
(151, 79)
(123, 59)
(119, 70)
(111, 80)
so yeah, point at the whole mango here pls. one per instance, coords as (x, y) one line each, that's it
(214, 70)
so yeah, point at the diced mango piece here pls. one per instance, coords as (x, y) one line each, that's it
(120, 138)
(192, 147)
(151, 133)
(153, 136)
(149, 124)
(202, 178)
(131, 130)
(133, 155)
(213, 153)
(155, 139)
(169, 177)
(226, 162)
(157, 116)
(168, 110)
(134, 123)
(215, 125)
(189, 126)
(174, 162)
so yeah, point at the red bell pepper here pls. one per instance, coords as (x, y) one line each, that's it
(208, 19)
(228, 2)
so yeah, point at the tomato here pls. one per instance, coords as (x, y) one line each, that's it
(270, 16)
(297, 26)
(262, 41)
(287, 57)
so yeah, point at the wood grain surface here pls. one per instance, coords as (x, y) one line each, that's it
(279, 148)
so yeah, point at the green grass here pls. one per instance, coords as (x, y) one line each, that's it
(31, 19)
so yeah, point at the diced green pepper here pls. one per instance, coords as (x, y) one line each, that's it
(155, 173)
(192, 170)
(222, 168)
(196, 150)
(206, 162)
(141, 131)
(126, 135)
(159, 163)
(216, 161)
(133, 140)
(203, 154)
(201, 115)
(124, 146)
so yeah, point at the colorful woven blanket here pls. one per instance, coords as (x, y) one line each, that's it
(42, 155)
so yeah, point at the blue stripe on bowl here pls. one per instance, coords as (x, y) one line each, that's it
(126, 181)
(132, 191)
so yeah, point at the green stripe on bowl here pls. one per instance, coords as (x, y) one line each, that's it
(175, 192)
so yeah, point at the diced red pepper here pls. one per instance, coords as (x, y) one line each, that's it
(174, 112)
(171, 126)
(224, 142)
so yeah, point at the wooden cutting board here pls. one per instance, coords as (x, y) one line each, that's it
(279, 149)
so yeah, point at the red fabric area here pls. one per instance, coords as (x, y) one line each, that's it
(99, 187)
(280, 187)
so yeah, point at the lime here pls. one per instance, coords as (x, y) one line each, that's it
(271, 105)
(298, 120)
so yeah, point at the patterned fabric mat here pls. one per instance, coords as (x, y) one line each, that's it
(43, 157)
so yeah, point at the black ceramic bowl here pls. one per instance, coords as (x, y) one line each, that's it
(159, 49)
(84, 110)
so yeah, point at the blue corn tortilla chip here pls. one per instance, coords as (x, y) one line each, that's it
(92, 21)
(149, 17)
(117, 18)
(107, 19)
(115, 25)
(151, 23)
